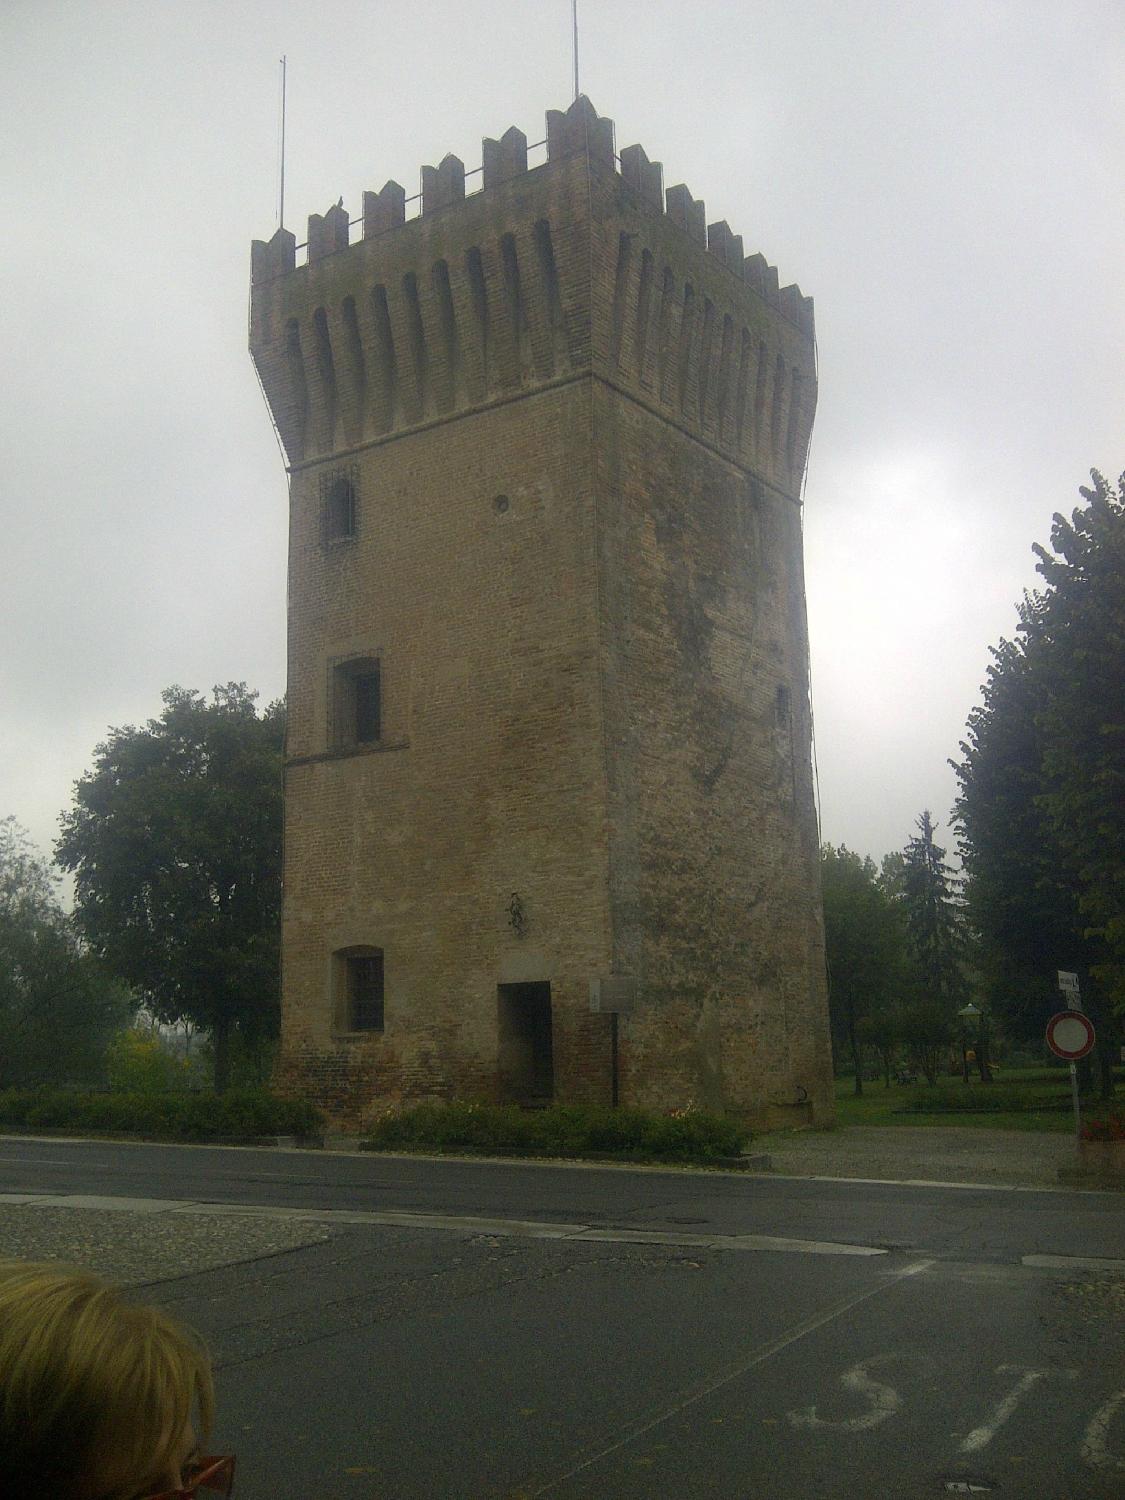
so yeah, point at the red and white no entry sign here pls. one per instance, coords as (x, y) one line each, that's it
(1070, 1035)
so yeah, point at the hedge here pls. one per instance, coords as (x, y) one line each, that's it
(562, 1130)
(238, 1114)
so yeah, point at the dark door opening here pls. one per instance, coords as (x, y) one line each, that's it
(527, 1071)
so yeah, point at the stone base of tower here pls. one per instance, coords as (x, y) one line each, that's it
(668, 1057)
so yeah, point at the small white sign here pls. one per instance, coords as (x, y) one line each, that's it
(1068, 981)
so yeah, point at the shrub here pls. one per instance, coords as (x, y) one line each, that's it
(240, 1114)
(562, 1130)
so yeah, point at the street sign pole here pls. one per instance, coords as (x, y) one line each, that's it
(1070, 1035)
(1077, 1105)
(1068, 984)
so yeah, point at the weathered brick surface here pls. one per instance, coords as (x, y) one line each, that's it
(576, 437)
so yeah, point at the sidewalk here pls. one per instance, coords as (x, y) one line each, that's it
(914, 1153)
(900, 1153)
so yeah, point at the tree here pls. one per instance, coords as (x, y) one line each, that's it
(58, 1008)
(1041, 807)
(864, 945)
(926, 892)
(1080, 653)
(175, 844)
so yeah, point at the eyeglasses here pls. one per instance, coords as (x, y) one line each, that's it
(215, 1474)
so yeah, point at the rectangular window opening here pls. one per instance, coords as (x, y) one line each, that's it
(367, 707)
(365, 991)
(356, 703)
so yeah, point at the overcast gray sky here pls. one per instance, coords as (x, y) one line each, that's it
(944, 178)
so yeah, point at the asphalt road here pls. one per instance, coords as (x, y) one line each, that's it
(985, 1223)
(624, 1334)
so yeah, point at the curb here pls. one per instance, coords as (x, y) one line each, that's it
(760, 1163)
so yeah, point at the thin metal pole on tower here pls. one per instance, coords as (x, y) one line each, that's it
(281, 188)
(574, 13)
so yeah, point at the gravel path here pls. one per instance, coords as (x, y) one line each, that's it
(910, 1153)
(133, 1248)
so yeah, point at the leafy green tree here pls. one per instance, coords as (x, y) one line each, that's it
(137, 1063)
(58, 1008)
(1041, 808)
(1019, 899)
(926, 892)
(175, 844)
(864, 944)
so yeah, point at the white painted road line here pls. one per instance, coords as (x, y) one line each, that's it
(743, 1367)
(1073, 1262)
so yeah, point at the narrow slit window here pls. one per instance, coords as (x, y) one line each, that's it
(339, 509)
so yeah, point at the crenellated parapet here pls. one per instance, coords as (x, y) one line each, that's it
(583, 264)
(443, 185)
(383, 210)
(689, 214)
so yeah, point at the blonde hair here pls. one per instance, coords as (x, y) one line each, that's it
(95, 1393)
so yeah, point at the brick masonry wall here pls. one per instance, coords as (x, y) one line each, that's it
(487, 780)
(575, 436)
(713, 854)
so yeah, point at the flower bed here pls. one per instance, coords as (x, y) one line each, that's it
(1108, 1127)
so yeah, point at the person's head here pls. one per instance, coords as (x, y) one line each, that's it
(97, 1396)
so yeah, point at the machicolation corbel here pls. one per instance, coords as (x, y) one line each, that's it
(443, 184)
(504, 158)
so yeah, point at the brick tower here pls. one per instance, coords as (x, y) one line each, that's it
(549, 810)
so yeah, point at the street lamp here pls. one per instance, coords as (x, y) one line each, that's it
(966, 1014)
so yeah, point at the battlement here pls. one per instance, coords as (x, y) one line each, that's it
(454, 300)
(579, 130)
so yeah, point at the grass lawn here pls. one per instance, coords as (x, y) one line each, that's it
(1038, 1099)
